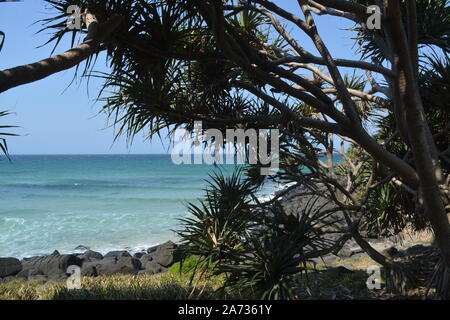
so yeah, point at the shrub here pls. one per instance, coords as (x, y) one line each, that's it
(256, 250)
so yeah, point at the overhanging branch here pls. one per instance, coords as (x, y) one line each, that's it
(28, 73)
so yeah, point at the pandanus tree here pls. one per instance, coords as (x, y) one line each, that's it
(3, 145)
(238, 64)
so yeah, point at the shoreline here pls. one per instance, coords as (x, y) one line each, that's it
(54, 267)
(157, 258)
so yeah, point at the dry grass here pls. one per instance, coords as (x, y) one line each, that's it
(165, 286)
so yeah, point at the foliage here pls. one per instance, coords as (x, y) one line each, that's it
(3, 145)
(278, 252)
(260, 251)
(2, 39)
(433, 18)
(214, 232)
(187, 266)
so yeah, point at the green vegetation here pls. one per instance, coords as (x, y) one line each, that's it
(3, 145)
(256, 250)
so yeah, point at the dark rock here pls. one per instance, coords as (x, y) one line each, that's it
(390, 252)
(89, 270)
(92, 255)
(341, 271)
(113, 265)
(9, 267)
(153, 268)
(121, 253)
(165, 254)
(345, 253)
(415, 250)
(29, 274)
(9, 279)
(146, 258)
(81, 247)
(138, 255)
(152, 249)
(53, 266)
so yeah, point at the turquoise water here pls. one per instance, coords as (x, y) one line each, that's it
(105, 202)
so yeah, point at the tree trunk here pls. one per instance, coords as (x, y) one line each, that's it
(424, 150)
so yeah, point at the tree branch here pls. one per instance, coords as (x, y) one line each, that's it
(28, 73)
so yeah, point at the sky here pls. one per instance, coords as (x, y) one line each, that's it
(57, 117)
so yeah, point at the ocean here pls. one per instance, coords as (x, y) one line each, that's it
(104, 202)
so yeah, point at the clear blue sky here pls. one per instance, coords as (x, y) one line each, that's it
(56, 118)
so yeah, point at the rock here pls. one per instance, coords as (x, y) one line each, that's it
(345, 253)
(414, 250)
(9, 279)
(138, 255)
(165, 254)
(153, 268)
(341, 271)
(113, 265)
(92, 255)
(121, 253)
(29, 274)
(89, 270)
(146, 258)
(53, 266)
(356, 250)
(9, 267)
(82, 248)
(152, 249)
(390, 252)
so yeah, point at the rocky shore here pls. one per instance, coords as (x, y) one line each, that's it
(394, 247)
(54, 267)
(158, 259)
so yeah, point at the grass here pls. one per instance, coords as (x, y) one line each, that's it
(173, 285)
(165, 286)
(331, 284)
(321, 283)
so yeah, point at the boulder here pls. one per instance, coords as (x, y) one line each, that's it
(146, 258)
(165, 254)
(9, 279)
(82, 248)
(153, 268)
(92, 255)
(341, 271)
(89, 269)
(415, 250)
(121, 253)
(112, 265)
(152, 249)
(29, 274)
(53, 266)
(391, 252)
(138, 255)
(9, 267)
